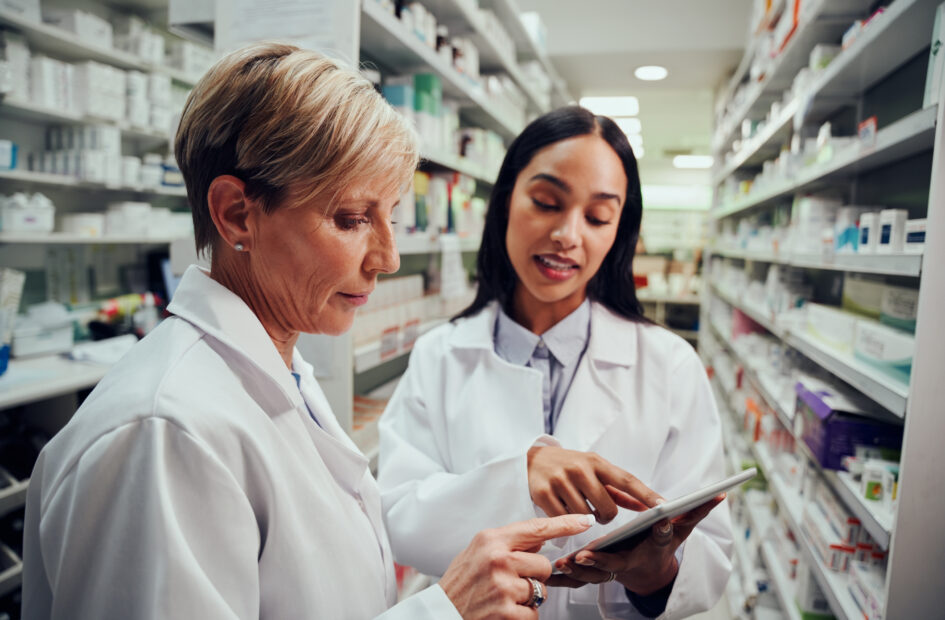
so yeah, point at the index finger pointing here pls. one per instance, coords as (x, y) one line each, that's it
(528, 534)
(628, 483)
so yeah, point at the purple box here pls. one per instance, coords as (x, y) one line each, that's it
(832, 425)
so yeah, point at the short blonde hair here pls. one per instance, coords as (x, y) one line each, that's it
(291, 124)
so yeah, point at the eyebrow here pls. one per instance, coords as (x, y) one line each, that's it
(563, 186)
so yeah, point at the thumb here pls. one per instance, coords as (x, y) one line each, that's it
(528, 534)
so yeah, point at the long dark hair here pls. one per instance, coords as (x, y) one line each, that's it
(612, 285)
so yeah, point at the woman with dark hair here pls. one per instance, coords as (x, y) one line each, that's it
(553, 394)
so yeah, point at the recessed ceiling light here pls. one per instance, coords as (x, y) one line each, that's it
(638, 152)
(693, 161)
(636, 141)
(651, 73)
(630, 126)
(612, 106)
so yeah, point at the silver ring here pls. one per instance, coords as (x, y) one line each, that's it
(611, 578)
(538, 593)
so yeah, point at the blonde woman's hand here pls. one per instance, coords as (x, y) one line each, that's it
(488, 578)
(563, 481)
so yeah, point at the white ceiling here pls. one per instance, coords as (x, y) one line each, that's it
(596, 45)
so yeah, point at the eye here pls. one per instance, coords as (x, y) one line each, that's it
(350, 222)
(593, 221)
(544, 206)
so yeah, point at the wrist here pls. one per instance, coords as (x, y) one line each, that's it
(646, 581)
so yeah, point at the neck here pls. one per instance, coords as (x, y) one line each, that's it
(540, 316)
(232, 271)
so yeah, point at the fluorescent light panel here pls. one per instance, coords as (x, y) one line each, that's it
(612, 106)
(700, 162)
(636, 141)
(651, 73)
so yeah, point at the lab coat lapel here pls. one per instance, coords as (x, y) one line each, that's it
(507, 390)
(593, 402)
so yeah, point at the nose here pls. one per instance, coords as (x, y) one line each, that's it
(566, 232)
(382, 255)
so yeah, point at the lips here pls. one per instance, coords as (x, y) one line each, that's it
(555, 267)
(358, 299)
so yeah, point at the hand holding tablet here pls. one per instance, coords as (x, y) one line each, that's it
(637, 530)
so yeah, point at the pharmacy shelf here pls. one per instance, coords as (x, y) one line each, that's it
(508, 13)
(459, 164)
(757, 315)
(783, 586)
(908, 265)
(384, 38)
(368, 356)
(63, 44)
(875, 54)
(30, 112)
(909, 135)
(877, 520)
(38, 378)
(11, 577)
(29, 178)
(59, 238)
(421, 243)
(462, 17)
(828, 19)
(13, 496)
(886, 391)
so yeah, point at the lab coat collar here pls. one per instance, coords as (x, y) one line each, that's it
(611, 342)
(220, 313)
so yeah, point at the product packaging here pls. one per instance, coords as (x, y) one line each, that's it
(831, 326)
(915, 237)
(899, 307)
(832, 423)
(892, 230)
(869, 233)
(890, 350)
(11, 290)
(862, 295)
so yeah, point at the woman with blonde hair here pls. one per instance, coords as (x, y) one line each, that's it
(205, 476)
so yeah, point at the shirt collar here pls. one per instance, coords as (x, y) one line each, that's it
(566, 340)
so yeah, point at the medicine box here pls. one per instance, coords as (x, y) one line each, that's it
(832, 327)
(915, 237)
(862, 295)
(31, 339)
(811, 600)
(833, 552)
(890, 350)
(832, 425)
(899, 306)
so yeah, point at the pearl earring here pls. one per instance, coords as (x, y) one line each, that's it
(238, 247)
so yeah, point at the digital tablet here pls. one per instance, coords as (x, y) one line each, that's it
(634, 532)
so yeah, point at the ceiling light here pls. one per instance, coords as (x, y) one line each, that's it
(636, 141)
(630, 126)
(638, 152)
(651, 73)
(612, 106)
(693, 161)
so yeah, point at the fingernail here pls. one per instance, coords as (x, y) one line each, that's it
(585, 561)
(565, 569)
(659, 500)
(586, 520)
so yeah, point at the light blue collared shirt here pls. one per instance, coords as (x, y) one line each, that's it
(556, 354)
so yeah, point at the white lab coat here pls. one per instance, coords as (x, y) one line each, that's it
(455, 434)
(192, 483)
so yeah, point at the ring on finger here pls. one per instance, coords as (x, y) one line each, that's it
(538, 593)
(610, 578)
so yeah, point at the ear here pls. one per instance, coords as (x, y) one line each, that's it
(231, 210)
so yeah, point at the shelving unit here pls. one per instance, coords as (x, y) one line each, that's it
(877, 74)
(908, 136)
(61, 43)
(907, 265)
(39, 378)
(370, 356)
(383, 36)
(55, 238)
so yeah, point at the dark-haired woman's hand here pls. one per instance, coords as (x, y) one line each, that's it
(564, 481)
(645, 569)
